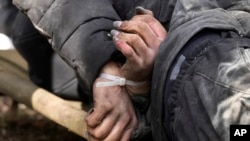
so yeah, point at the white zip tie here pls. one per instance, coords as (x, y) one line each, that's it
(116, 80)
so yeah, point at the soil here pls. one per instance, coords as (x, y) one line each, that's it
(20, 123)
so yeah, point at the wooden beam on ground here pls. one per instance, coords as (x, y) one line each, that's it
(14, 84)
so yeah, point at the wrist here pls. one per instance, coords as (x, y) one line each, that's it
(112, 68)
(139, 90)
(120, 81)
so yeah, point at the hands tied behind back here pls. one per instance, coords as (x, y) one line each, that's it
(113, 117)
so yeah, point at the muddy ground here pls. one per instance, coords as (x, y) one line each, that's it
(19, 123)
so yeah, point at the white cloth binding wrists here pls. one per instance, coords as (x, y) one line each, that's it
(116, 80)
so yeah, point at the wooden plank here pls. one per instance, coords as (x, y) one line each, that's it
(14, 82)
(12, 61)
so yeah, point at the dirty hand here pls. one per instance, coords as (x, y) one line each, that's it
(113, 117)
(139, 39)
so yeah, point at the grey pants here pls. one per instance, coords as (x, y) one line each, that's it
(46, 68)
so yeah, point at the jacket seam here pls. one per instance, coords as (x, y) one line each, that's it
(46, 12)
(220, 83)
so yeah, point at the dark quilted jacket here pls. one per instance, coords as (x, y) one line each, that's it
(77, 30)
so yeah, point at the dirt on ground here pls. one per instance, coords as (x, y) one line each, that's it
(20, 123)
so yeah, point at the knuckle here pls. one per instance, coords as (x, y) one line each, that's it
(150, 18)
(162, 37)
(100, 134)
(130, 38)
(142, 26)
(96, 136)
(135, 39)
(92, 123)
(125, 25)
(141, 63)
(126, 118)
(135, 26)
(108, 106)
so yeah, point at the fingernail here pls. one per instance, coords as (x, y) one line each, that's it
(115, 38)
(140, 10)
(90, 111)
(114, 32)
(117, 24)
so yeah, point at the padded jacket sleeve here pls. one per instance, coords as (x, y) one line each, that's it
(77, 30)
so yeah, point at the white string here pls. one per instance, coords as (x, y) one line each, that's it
(116, 80)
